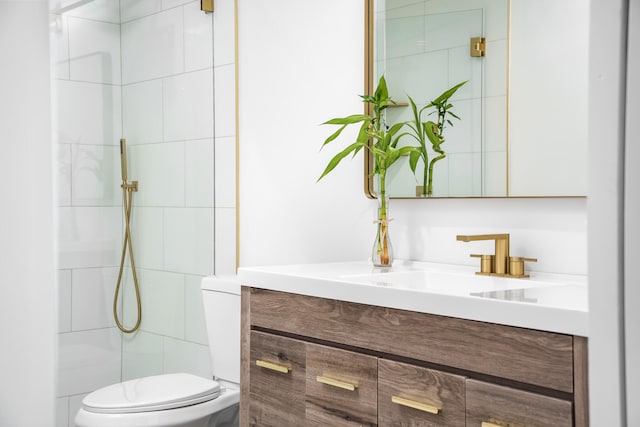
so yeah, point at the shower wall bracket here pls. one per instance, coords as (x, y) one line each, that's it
(130, 187)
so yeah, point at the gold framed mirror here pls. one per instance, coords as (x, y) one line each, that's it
(523, 112)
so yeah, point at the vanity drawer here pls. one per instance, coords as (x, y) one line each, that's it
(341, 388)
(413, 396)
(277, 381)
(535, 357)
(490, 405)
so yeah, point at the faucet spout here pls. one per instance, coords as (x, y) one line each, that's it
(501, 259)
(466, 238)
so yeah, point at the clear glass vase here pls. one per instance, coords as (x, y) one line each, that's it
(382, 252)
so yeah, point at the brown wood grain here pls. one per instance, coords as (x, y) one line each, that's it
(332, 406)
(534, 357)
(506, 406)
(423, 385)
(277, 399)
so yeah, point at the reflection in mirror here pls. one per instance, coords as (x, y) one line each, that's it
(515, 136)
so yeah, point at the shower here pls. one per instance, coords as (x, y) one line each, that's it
(127, 196)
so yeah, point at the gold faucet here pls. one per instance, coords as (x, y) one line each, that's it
(499, 264)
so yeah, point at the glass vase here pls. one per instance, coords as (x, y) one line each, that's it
(382, 252)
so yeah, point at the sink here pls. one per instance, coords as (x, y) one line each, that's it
(456, 283)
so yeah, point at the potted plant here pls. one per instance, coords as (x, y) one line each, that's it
(432, 132)
(381, 141)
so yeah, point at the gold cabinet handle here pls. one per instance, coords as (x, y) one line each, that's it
(273, 366)
(336, 383)
(416, 405)
(488, 424)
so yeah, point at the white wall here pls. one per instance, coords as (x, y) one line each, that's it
(300, 64)
(27, 268)
(296, 75)
(605, 210)
(632, 227)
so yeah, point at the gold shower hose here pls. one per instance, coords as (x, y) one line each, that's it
(127, 195)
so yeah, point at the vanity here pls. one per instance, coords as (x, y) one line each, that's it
(419, 344)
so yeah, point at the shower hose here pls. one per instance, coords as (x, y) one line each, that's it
(127, 196)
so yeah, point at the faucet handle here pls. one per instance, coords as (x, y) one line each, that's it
(516, 265)
(486, 262)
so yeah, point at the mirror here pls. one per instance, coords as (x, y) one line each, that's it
(523, 110)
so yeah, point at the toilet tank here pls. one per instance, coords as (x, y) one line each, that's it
(221, 301)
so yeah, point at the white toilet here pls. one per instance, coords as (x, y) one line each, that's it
(181, 400)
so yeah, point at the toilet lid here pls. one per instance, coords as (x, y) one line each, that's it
(155, 393)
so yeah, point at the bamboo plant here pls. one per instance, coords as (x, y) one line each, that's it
(433, 132)
(381, 140)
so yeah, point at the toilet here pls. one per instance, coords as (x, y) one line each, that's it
(181, 400)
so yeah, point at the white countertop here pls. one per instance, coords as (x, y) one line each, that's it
(547, 302)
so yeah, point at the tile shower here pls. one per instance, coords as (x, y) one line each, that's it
(161, 75)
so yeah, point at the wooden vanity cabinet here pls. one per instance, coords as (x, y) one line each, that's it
(310, 361)
(413, 396)
(277, 393)
(490, 405)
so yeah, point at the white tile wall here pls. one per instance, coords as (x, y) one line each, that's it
(96, 10)
(223, 33)
(147, 236)
(134, 9)
(153, 46)
(189, 240)
(142, 355)
(89, 114)
(183, 356)
(95, 175)
(159, 170)
(162, 298)
(142, 112)
(88, 360)
(88, 236)
(188, 106)
(194, 321)
(92, 298)
(198, 37)
(199, 175)
(94, 51)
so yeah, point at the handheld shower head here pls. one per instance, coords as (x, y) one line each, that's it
(123, 159)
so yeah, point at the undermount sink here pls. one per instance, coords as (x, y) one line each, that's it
(463, 284)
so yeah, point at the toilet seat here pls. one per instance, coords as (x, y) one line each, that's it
(155, 393)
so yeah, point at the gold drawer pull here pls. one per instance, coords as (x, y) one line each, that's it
(273, 366)
(336, 383)
(488, 424)
(416, 405)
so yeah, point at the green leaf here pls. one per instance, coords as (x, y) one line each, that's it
(333, 136)
(414, 156)
(354, 118)
(338, 157)
(447, 94)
